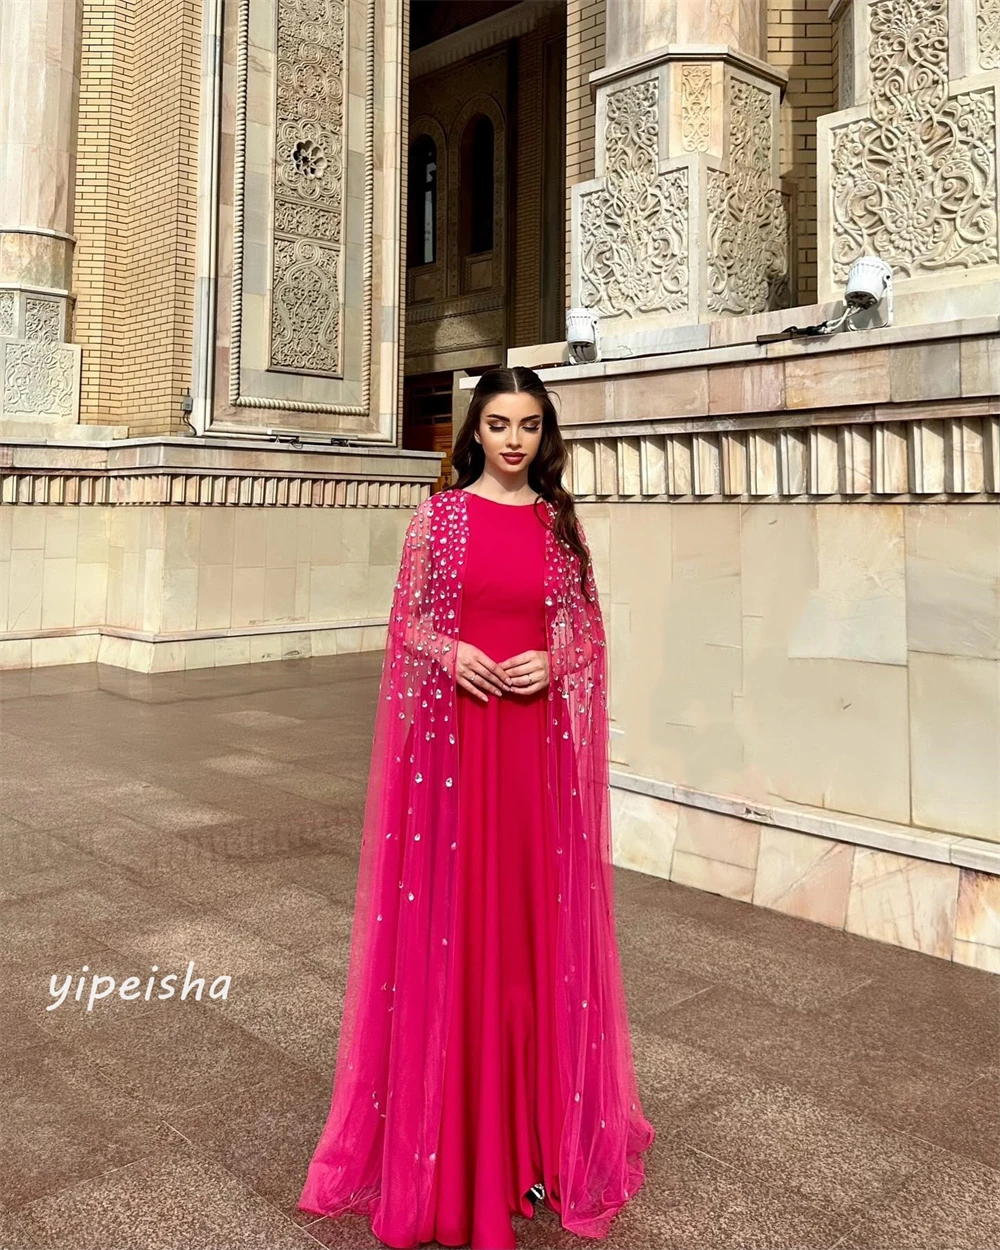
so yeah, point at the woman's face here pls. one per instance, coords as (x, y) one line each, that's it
(510, 430)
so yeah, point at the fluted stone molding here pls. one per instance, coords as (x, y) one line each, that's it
(100, 488)
(908, 165)
(956, 456)
(185, 472)
(685, 221)
(39, 96)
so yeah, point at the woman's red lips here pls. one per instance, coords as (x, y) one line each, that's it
(513, 455)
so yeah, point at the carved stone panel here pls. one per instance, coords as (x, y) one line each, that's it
(696, 107)
(913, 178)
(308, 186)
(42, 319)
(40, 380)
(299, 296)
(988, 33)
(747, 218)
(6, 314)
(687, 221)
(634, 229)
(845, 58)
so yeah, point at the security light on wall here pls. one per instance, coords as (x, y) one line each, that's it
(869, 282)
(869, 285)
(583, 336)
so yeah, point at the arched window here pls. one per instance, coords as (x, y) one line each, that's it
(477, 185)
(421, 229)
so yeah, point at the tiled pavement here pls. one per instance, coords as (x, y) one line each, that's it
(810, 1089)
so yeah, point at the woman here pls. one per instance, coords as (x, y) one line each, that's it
(484, 1059)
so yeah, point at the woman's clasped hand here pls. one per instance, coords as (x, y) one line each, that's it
(524, 673)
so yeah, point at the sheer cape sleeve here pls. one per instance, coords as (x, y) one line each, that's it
(605, 1132)
(413, 626)
(377, 1151)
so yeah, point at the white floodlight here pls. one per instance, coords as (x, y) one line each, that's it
(583, 335)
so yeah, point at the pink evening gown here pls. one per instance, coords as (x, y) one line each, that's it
(474, 1043)
(501, 1113)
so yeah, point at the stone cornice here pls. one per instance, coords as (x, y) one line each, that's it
(466, 42)
(689, 52)
(41, 231)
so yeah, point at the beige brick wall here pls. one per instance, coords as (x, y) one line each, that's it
(800, 41)
(101, 207)
(584, 54)
(136, 210)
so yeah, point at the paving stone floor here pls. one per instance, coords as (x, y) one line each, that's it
(811, 1090)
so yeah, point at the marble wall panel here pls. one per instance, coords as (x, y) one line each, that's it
(953, 580)
(644, 832)
(955, 743)
(907, 902)
(804, 876)
(857, 610)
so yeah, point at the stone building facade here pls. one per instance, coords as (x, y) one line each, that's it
(254, 252)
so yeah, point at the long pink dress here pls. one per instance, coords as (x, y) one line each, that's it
(484, 1041)
(501, 1114)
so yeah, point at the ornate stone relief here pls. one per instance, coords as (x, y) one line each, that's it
(301, 267)
(634, 229)
(42, 320)
(39, 379)
(988, 33)
(308, 187)
(747, 218)
(6, 314)
(696, 107)
(915, 183)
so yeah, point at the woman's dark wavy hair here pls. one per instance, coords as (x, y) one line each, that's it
(545, 471)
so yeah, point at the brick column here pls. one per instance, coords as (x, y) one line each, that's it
(39, 94)
(685, 220)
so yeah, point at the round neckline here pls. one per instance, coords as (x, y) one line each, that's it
(497, 501)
